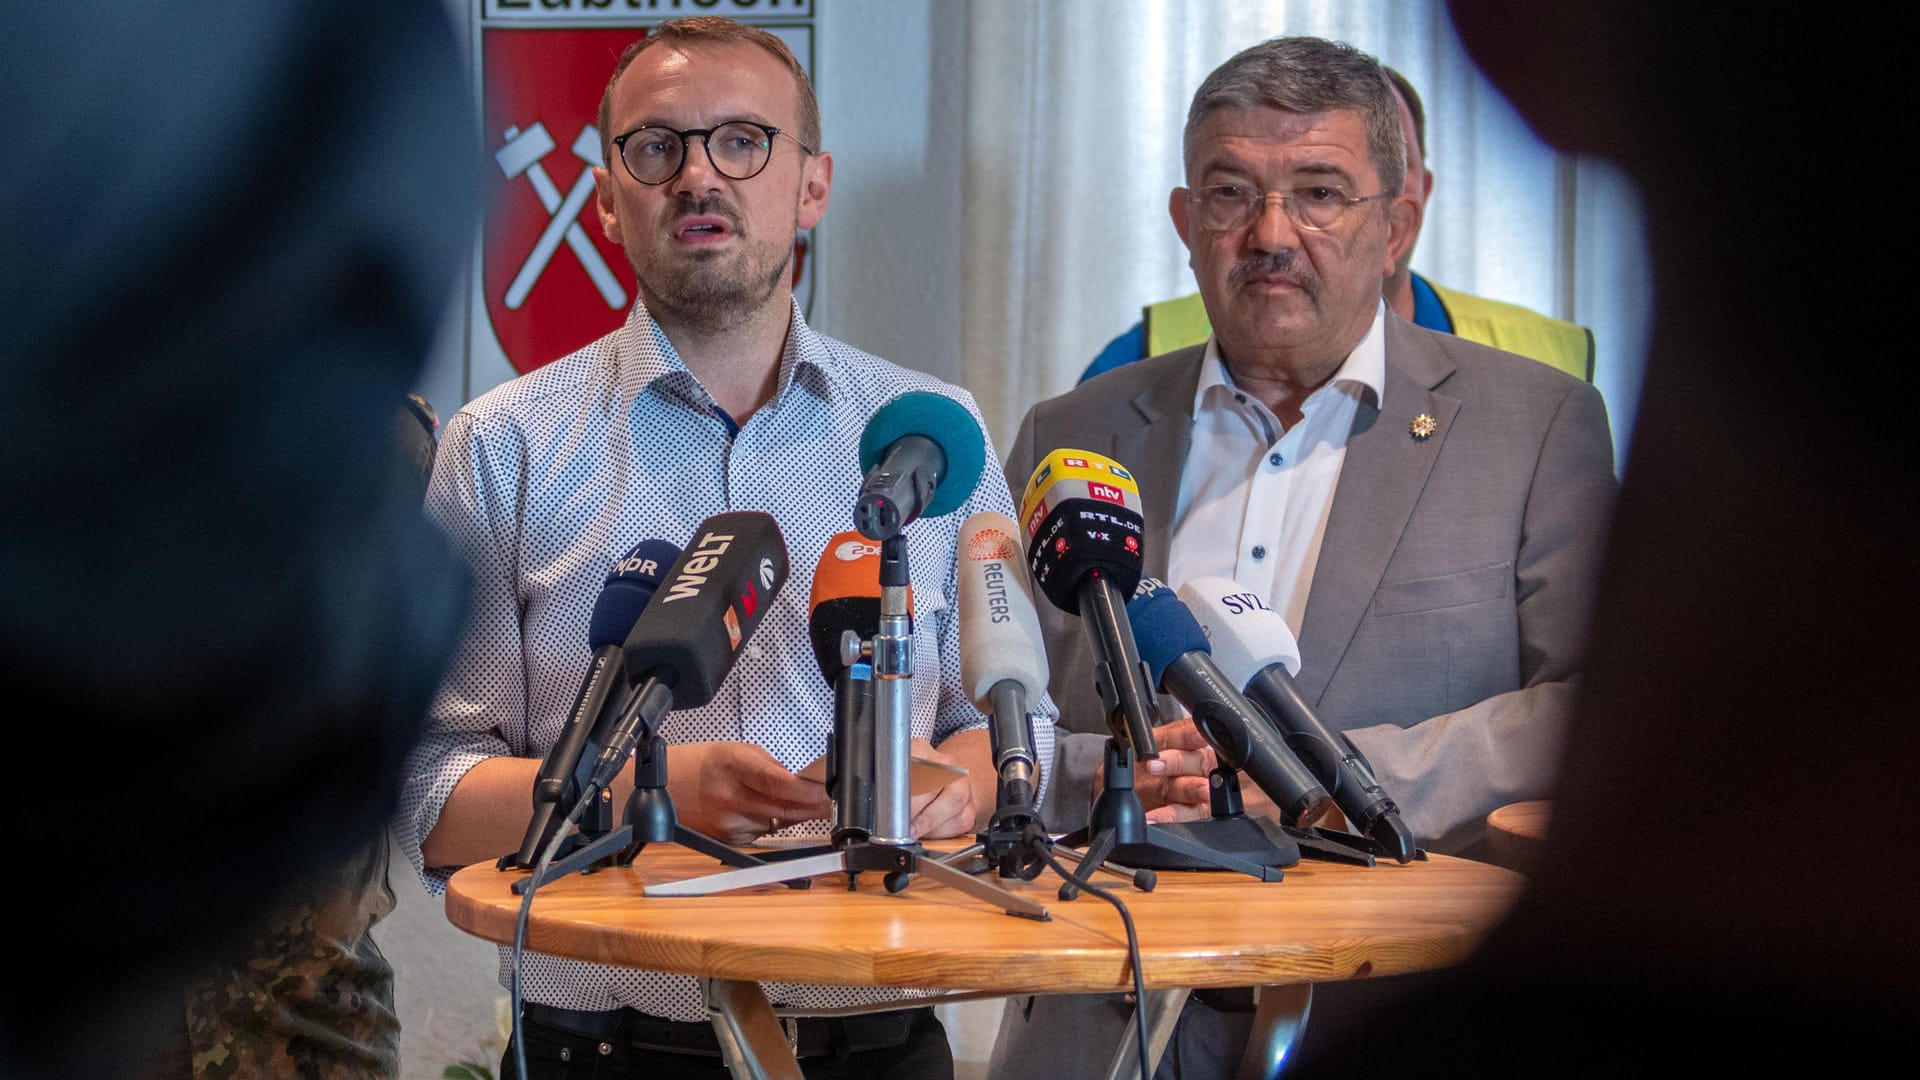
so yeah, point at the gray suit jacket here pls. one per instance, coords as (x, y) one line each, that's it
(1444, 625)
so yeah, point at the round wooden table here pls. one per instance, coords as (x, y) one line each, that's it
(1518, 832)
(1324, 922)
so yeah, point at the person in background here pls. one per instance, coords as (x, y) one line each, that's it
(1428, 513)
(1182, 321)
(231, 233)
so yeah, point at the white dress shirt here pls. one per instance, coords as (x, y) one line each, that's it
(1255, 495)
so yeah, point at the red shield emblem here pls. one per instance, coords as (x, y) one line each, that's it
(552, 279)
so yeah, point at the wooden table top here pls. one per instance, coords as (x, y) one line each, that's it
(1526, 820)
(1324, 922)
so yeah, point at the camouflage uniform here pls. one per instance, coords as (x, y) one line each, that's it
(311, 997)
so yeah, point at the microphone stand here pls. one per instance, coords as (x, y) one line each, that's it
(650, 819)
(888, 846)
(1231, 829)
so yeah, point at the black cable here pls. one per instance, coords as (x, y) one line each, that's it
(1133, 957)
(520, 925)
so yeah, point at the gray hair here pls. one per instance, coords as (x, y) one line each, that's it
(1308, 75)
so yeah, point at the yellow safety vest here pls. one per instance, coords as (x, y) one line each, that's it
(1180, 322)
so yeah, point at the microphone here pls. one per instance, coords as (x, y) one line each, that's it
(1085, 533)
(922, 454)
(1003, 658)
(1256, 651)
(1175, 649)
(625, 595)
(684, 644)
(846, 598)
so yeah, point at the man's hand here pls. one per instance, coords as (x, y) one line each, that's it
(947, 812)
(737, 792)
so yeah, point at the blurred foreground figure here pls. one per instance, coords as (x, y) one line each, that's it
(230, 230)
(1732, 872)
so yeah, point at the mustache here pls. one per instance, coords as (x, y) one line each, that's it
(1283, 263)
(711, 204)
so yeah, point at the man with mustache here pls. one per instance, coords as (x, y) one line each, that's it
(714, 396)
(1426, 513)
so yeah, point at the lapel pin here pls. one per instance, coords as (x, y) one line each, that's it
(1422, 428)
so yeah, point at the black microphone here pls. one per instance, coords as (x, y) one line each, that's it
(685, 642)
(922, 454)
(625, 595)
(1256, 651)
(1175, 649)
(1003, 657)
(1085, 533)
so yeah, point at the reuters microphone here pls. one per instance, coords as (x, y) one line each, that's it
(1085, 536)
(922, 454)
(635, 578)
(1175, 649)
(1257, 653)
(1003, 658)
(686, 641)
(846, 600)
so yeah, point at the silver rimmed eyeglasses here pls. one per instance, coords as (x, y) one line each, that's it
(1315, 207)
(737, 150)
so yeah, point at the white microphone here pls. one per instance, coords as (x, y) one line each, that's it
(1003, 658)
(1254, 649)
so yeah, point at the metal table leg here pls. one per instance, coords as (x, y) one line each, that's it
(1160, 1012)
(752, 1041)
(1277, 1023)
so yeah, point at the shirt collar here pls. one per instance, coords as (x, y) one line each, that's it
(1363, 372)
(645, 356)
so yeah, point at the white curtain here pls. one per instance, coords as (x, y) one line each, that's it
(1074, 110)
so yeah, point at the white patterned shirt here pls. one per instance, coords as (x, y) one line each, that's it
(545, 481)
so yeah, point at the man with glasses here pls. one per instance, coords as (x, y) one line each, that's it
(714, 396)
(1182, 321)
(1426, 513)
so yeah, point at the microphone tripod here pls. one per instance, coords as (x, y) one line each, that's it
(887, 845)
(650, 819)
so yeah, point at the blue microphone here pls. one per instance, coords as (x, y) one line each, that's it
(628, 589)
(922, 453)
(1175, 650)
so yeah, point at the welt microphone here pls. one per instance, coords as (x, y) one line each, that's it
(625, 595)
(1175, 649)
(1085, 537)
(1003, 658)
(922, 454)
(846, 597)
(1256, 651)
(686, 641)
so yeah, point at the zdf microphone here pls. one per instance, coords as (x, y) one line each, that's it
(1256, 652)
(1175, 649)
(922, 454)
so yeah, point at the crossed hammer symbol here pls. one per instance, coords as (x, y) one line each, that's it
(522, 154)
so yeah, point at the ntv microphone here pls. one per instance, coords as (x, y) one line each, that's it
(1003, 658)
(686, 641)
(1255, 651)
(1085, 537)
(846, 599)
(635, 579)
(922, 454)
(1175, 649)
